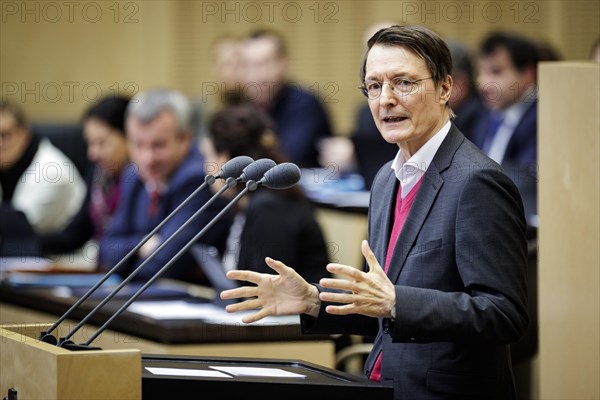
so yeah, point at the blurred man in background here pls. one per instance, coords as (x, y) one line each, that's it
(300, 118)
(36, 177)
(167, 168)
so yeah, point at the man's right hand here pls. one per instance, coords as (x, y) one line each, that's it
(286, 293)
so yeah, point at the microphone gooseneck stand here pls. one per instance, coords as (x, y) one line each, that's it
(282, 176)
(250, 173)
(233, 168)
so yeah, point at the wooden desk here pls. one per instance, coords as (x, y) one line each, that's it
(177, 337)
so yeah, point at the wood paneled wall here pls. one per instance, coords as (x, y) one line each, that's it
(59, 57)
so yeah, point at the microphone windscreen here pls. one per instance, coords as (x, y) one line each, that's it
(257, 169)
(234, 167)
(282, 176)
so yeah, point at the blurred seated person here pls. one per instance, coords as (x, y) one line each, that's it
(300, 118)
(267, 221)
(104, 132)
(227, 68)
(465, 100)
(508, 83)
(35, 176)
(166, 168)
(226, 88)
(507, 132)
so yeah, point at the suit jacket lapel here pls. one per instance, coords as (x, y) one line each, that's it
(389, 197)
(424, 200)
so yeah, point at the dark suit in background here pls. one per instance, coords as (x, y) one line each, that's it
(520, 157)
(131, 222)
(300, 123)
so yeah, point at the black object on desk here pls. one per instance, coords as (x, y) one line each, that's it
(317, 382)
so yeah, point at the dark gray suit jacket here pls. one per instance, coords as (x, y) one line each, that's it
(459, 269)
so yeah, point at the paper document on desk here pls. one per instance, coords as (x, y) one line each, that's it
(259, 371)
(203, 373)
(165, 310)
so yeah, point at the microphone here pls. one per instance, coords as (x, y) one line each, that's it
(256, 170)
(280, 176)
(283, 176)
(231, 170)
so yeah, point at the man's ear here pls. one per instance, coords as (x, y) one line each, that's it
(446, 89)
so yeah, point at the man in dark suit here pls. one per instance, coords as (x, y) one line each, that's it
(445, 293)
(507, 132)
(166, 168)
(301, 120)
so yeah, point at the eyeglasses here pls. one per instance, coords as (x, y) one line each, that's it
(372, 89)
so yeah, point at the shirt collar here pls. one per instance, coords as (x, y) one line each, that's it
(152, 186)
(410, 171)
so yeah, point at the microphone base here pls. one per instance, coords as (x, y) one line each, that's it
(47, 338)
(69, 345)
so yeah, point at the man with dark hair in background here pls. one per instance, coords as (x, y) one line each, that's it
(300, 118)
(508, 83)
(507, 132)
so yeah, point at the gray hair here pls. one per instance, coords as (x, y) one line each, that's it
(147, 106)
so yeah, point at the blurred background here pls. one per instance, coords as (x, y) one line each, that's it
(59, 57)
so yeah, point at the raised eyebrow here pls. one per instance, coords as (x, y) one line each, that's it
(399, 75)
(370, 78)
(404, 76)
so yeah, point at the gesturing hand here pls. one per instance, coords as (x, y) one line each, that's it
(286, 293)
(370, 293)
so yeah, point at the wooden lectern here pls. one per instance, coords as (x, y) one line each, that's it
(38, 370)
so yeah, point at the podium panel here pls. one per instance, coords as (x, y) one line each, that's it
(38, 370)
(310, 381)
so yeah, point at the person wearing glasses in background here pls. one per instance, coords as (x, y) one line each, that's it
(36, 178)
(445, 293)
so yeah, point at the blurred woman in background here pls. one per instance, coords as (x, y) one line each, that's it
(104, 132)
(275, 223)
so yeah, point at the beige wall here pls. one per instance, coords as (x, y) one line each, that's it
(60, 56)
(569, 210)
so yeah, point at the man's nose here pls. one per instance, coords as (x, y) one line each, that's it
(388, 94)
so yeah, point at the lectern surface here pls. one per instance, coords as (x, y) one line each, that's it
(309, 381)
(168, 331)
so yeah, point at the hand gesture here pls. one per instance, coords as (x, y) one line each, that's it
(368, 293)
(286, 293)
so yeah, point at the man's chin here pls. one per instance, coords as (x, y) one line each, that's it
(394, 136)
